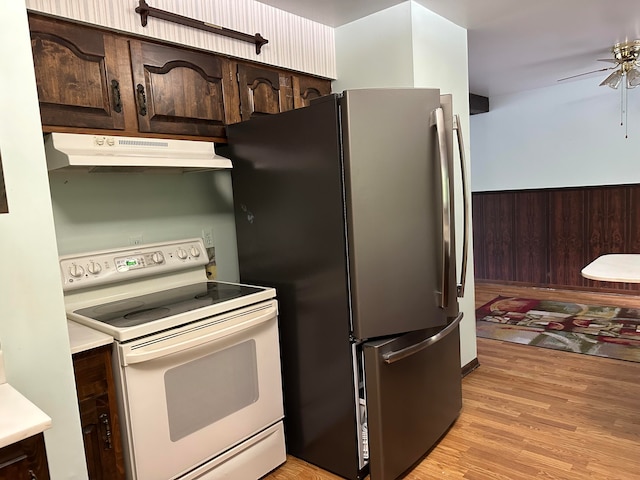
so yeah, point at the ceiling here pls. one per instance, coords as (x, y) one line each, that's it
(513, 45)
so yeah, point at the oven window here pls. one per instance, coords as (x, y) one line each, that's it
(203, 391)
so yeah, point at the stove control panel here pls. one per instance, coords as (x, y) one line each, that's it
(110, 266)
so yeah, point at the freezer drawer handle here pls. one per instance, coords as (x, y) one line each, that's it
(465, 201)
(392, 357)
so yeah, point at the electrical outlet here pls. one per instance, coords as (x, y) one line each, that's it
(211, 268)
(207, 237)
(135, 239)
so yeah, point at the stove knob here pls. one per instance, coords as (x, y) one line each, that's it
(157, 257)
(94, 268)
(195, 252)
(76, 271)
(182, 253)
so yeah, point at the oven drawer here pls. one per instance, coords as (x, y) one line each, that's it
(194, 392)
(252, 459)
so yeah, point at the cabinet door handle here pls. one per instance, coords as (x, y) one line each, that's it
(5, 463)
(142, 100)
(104, 418)
(115, 90)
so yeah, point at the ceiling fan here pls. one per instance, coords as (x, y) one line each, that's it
(626, 71)
(626, 56)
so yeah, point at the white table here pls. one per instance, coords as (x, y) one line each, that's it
(619, 267)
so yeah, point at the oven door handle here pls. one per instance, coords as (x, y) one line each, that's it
(195, 337)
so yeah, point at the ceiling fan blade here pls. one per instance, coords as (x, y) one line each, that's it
(586, 73)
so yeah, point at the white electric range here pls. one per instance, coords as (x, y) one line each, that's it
(196, 362)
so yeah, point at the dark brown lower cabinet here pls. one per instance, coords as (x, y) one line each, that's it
(24, 460)
(98, 414)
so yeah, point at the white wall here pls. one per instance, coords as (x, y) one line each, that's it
(410, 46)
(33, 328)
(560, 136)
(440, 60)
(94, 211)
(294, 42)
(375, 51)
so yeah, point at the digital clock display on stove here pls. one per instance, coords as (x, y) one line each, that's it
(134, 262)
(129, 263)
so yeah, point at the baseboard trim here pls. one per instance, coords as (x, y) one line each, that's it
(549, 286)
(470, 367)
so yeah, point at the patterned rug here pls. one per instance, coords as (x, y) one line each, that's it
(605, 331)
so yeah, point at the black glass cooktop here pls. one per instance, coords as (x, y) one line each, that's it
(166, 303)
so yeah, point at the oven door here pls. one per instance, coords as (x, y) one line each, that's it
(191, 393)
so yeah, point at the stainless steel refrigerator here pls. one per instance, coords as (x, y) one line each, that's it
(346, 208)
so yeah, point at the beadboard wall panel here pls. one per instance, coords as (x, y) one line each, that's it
(531, 233)
(294, 42)
(545, 237)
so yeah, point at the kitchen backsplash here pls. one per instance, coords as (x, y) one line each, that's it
(94, 211)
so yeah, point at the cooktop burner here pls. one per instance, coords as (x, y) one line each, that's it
(162, 304)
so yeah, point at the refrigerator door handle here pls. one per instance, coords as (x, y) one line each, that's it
(392, 357)
(438, 113)
(457, 127)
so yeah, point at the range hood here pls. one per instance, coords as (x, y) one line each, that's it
(109, 154)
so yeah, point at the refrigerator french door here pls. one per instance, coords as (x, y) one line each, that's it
(346, 208)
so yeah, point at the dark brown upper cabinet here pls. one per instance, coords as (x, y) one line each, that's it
(263, 91)
(306, 88)
(77, 75)
(90, 80)
(178, 91)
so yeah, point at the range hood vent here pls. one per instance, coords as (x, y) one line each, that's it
(111, 154)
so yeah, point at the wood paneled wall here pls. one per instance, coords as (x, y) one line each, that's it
(545, 237)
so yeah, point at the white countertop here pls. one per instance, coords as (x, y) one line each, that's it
(620, 267)
(83, 338)
(19, 418)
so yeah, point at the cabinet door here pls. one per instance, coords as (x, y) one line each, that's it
(24, 460)
(98, 414)
(263, 91)
(177, 91)
(306, 88)
(76, 75)
(97, 433)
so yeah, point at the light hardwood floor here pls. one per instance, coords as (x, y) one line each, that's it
(531, 412)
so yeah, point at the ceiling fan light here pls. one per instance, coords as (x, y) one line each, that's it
(613, 80)
(633, 78)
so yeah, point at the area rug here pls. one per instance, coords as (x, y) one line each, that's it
(605, 331)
